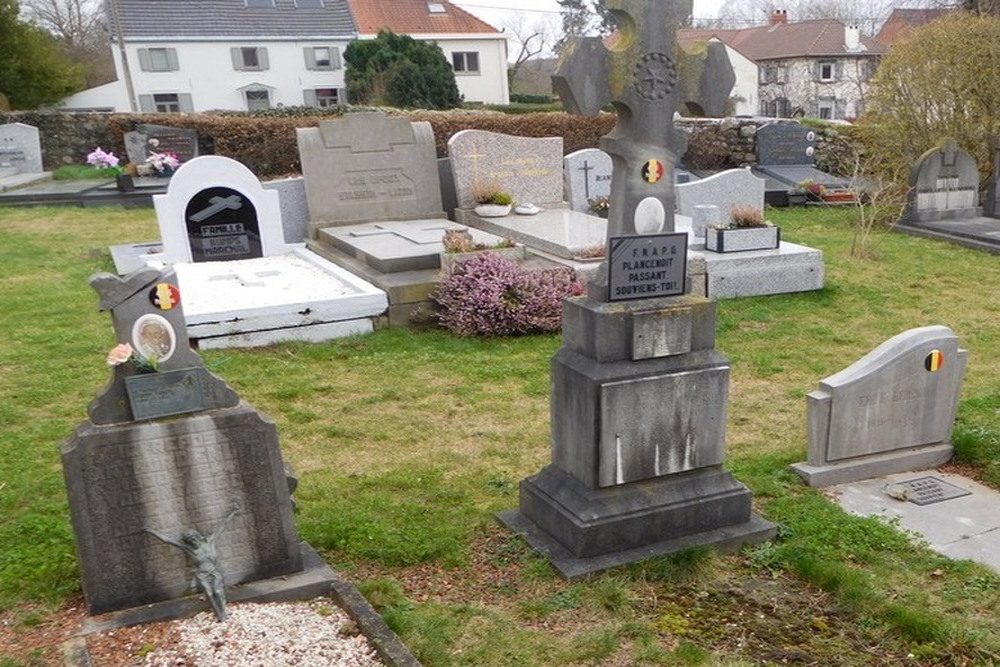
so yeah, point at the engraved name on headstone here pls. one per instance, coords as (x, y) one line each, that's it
(222, 226)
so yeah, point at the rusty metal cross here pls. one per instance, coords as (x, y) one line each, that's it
(636, 72)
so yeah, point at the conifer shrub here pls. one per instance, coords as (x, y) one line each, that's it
(490, 295)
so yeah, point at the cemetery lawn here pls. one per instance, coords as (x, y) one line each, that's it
(406, 443)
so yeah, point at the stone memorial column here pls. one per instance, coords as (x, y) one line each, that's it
(639, 393)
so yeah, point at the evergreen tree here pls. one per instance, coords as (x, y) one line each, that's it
(399, 71)
(33, 72)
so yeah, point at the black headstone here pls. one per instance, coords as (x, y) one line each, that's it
(180, 141)
(222, 225)
(785, 144)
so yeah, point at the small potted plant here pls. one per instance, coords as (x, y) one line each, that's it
(746, 229)
(108, 164)
(491, 201)
(814, 191)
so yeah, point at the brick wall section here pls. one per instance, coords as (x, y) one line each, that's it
(266, 144)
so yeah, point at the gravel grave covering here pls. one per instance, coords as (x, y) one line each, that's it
(314, 633)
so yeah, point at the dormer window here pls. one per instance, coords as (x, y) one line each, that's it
(436, 8)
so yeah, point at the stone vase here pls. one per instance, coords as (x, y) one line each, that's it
(740, 239)
(124, 183)
(492, 210)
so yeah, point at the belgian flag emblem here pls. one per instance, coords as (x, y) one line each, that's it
(652, 171)
(934, 361)
(165, 296)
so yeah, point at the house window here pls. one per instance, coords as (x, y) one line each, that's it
(158, 60)
(258, 99)
(327, 97)
(827, 70)
(826, 108)
(465, 61)
(166, 102)
(260, 4)
(322, 57)
(249, 58)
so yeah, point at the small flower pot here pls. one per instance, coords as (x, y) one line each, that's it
(742, 238)
(492, 210)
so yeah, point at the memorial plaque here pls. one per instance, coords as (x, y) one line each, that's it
(222, 226)
(165, 394)
(785, 144)
(181, 142)
(647, 266)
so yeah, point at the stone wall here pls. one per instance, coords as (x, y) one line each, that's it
(68, 137)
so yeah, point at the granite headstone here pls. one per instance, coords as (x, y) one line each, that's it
(369, 167)
(128, 470)
(891, 411)
(785, 144)
(20, 149)
(733, 188)
(944, 185)
(588, 176)
(527, 168)
(182, 142)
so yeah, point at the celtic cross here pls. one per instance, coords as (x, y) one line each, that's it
(637, 73)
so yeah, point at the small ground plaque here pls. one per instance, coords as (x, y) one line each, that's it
(165, 394)
(646, 266)
(930, 490)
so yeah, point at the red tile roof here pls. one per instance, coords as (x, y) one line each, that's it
(902, 21)
(805, 39)
(414, 17)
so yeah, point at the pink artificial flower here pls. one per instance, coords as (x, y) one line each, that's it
(119, 354)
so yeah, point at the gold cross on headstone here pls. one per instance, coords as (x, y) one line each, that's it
(636, 72)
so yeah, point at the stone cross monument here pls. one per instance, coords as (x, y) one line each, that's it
(639, 393)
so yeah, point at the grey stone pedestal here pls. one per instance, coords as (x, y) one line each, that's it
(639, 398)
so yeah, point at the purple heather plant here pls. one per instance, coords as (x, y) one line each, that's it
(491, 295)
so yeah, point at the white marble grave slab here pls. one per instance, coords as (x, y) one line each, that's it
(559, 232)
(297, 296)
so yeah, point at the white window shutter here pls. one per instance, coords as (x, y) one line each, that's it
(144, 60)
(838, 70)
(310, 57)
(172, 64)
(237, 55)
(309, 96)
(262, 58)
(185, 103)
(342, 96)
(334, 57)
(146, 104)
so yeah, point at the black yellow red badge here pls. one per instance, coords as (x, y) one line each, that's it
(165, 296)
(652, 171)
(934, 361)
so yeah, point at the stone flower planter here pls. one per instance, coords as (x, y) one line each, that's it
(492, 210)
(739, 239)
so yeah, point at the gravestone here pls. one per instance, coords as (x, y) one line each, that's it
(944, 185)
(169, 450)
(375, 204)
(891, 411)
(20, 150)
(733, 188)
(369, 167)
(137, 148)
(182, 142)
(527, 168)
(588, 176)
(639, 393)
(215, 210)
(786, 155)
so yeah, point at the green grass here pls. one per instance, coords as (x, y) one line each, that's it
(71, 172)
(407, 443)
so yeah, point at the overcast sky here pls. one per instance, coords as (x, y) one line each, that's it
(495, 12)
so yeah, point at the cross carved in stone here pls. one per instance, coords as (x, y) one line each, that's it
(637, 73)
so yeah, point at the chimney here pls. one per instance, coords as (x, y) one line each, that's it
(852, 37)
(778, 16)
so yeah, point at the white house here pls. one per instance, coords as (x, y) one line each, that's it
(476, 50)
(818, 68)
(202, 55)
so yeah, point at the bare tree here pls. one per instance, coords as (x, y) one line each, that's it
(867, 14)
(81, 30)
(529, 40)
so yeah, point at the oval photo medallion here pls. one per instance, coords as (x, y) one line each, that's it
(649, 216)
(153, 337)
